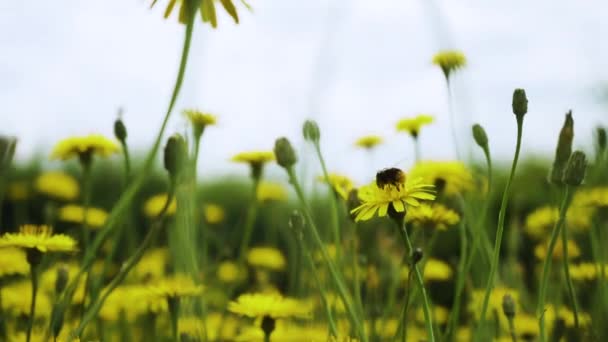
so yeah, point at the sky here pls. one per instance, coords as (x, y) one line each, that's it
(354, 66)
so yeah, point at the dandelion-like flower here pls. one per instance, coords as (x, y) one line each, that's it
(435, 216)
(13, 262)
(152, 264)
(573, 250)
(369, 141)
(266, 257)
(272, 305)
(540, 222)
(84, 147)
(341, 184)
(57, 184)
(413, 125)
(156, 203)
(270, 191)
(176, 286)
(229, 272)
(377, 201)
(40, 238)
(254, 157)
(95, 217)
(198, 118)
(213, 213)
(452, 177)
(449, 60)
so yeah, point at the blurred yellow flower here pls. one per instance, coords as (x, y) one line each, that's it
(567, 316)
(152, 264)
(440, 315)
(540, 251)
(341, 184)
(540, 222)
(131, 301)
(229, 272)
(453, 177)
(214, 327)
(398, 197)
(413, 125)
(526, 326)
(198, 118)
(369, 141)
(17, 191)
(586, 271)
(270, 191)
(175, 286)
(289, 332)
(13, 262)
(495, 303)
(156, 203)
(266, 257)
(254, 157)
(449, 60)
(17, 299)
(272, 305)
(40, 238)
(58, 185)
(593, 197)
(433, 216)
(73, 213)
(213, 213)
(436, 270)
(84, 146)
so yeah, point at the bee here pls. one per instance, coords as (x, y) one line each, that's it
(390, 176)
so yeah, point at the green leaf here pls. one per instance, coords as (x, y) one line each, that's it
(169, 8)
(229, 7)
(208, 12)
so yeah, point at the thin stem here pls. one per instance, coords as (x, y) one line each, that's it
(355, 266)
(428, 316)
(335, 222)
(463, 264)
(570, 285)
(417, 153)
(567, 198)
(336, 277)
(30, 323)
(512, 330)
(250, 221)
(125, 152)
(500, 230)
(453, 119)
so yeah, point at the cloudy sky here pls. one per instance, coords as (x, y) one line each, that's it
(356, 66)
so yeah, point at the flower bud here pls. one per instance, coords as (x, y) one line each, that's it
(175, 155)
(296, 222)
(508, 306)
(311, 132)
(7, 151)
(480, 136)
(120, 131)
(520, 102)
(575, 169)
(563, 151)
(417, 255)
(601, 139)
(283, 151)
(62, 279)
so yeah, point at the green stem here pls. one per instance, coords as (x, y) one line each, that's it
(428, 316)
(336, 277)
(453, 119)
(125, 152)
(570, 285)
(512, 330)
(567, 198)
(335, 222)
(173, 303)
(30, 323)
(124, 202)
(355, 266)
(463, 266)
(499, 232)
(250, 221)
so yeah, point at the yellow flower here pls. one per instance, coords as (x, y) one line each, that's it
(593, 197)
(17, 191)
(152, 265)
(341, 184)
(266, 257)
(213, 213)
(40, 238)
(132, 301)
(84, 146)
(495, 303)
(526, 326)
(270, 191)
(449, 60)
(17, 299)
(440, 315)
(369, 141)
(96, 217)
(272, 305)
(198, 118)
(398, 197)
(254, 157)
(289, 332)
(206, 8)
(573, 251)
(13, 262)
(214, 327)
(453, 177)
(540, 222)
(58, 185)
(413, 125)
(156, 203)
(176, 286)
(436, 216)
(566, 315)
(437, 270)
(229, 272)
(586, 271)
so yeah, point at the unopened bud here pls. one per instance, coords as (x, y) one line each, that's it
(508, 306)
(417, 255)
(520, 102)
(563, 151)
(601, 138)
(120, 130)
(310, 130)
(284, 153)
(175, 155)
(480, 136)
(575, 169)
(62, 279)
